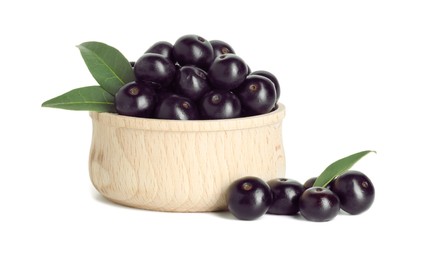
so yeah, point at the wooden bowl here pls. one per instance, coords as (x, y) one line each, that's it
(182, 166)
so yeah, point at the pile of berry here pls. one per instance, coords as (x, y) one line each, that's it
(196, 79)
(250, 197)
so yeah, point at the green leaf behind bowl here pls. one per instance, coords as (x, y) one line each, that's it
(92, 98)
(107, 65)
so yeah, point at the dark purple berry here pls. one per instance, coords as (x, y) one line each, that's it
(355, 190)
(319, 204)
(134, 99)
(164, 48)
(309, 183)
(248, 198)
(257, 94)
(219, 104)
(193, 50)
(227, 72)
(271, 77)
(286, 194)
(220, 48)
(191, 82)
(176, 107)
(163, 93)
(153, 67)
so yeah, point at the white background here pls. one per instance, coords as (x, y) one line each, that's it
(352, 76)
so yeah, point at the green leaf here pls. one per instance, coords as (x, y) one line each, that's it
(339, 167)
(92, 98)
(107, 65)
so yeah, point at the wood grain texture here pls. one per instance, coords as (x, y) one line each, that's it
(182, 166)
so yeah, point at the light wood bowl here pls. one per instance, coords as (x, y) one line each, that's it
(182, 166)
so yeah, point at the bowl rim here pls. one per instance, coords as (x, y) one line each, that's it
(152, 124)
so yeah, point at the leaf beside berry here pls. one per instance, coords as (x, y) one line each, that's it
(107, 65)
(338, 167)
(92, 98)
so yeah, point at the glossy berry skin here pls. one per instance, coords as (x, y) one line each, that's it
(163, 93)
(309, 183)
(219, 104)
(176, 107)
(355, 190)
(220, 48)
(153, 67)
(248, 198)
(286, 194)
(191, 82)
(163, 48)
(319, 204)
(271, 77)
(193, 50)
(227, 72)
(135, 99)
(257, 94)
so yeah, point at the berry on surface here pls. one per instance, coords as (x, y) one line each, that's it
(248, 198)
(319, 204)
(286, 193)
(355, 190)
